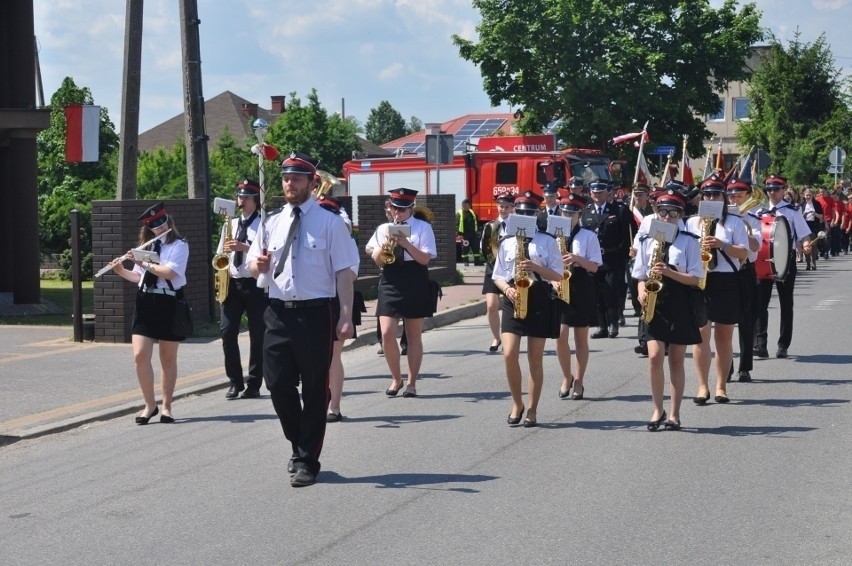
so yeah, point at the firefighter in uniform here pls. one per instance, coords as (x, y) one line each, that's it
(610, 221)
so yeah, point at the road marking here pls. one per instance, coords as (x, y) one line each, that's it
(19, 357)
(828, 304)
(102, 402)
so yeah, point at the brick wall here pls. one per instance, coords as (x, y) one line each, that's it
(114, 231)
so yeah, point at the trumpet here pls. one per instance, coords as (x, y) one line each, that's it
(108, 267)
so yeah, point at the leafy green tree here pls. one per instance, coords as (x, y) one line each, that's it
(384, 124)
(797, 110)
(231, 161)
(606, 67)
(414, 125)
(161, 174)
(310, 129)
(63, 187)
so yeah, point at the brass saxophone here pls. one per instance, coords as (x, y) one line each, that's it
(564, 291)
(222, 264)
(654, 284)
(523, 281)
(706, 255)
(387, 256)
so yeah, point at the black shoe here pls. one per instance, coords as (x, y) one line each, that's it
(613, 331)
(578, 395)
(653, 426)
(381, 352)
(744, 376)
(621, 320)
(515, 420)
(781, 353)
(333, 417)
(641, 350)
(392, 392)
(404, 350)
(701, 400)
(601, 333)
(167, 419)
(234, 392)
(251, 393)
(144, 420)
(302, 478)
(761, 352)
(494, 348)
(722, 399)
(671, 425)
(291, 466)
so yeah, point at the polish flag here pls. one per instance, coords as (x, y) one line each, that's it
(686, 170)
(82, 132)
(627, 137)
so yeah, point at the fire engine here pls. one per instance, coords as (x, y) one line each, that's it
(496, 165)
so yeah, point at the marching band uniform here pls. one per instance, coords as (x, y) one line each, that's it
(580, 312)
(677, 316)
(540, 323)
(800, 233)
(492, 234)
(244, 296)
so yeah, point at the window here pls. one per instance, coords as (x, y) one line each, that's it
(740, 108)
(507, 173)
(719, 116)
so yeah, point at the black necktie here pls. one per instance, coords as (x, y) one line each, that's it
(291, 235)
(150, 280)
(502, 227)
(242, 236)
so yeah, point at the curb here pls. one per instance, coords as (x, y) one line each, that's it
(444, 318)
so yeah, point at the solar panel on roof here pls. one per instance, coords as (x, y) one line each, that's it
(474, 128)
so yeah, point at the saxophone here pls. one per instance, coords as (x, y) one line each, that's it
(523, 281)
(387, 256)
(222, 264)
(654, 284)
(564, 291)
(706, 255)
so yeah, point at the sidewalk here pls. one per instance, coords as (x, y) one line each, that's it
(52, 384)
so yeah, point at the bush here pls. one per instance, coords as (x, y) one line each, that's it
(65, 265)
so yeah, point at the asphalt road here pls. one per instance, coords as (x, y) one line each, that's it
(443, 479)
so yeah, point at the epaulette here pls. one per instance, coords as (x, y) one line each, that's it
(794, 207)
(643, 237)
(759, 211)
(274, 212)
(691, 235)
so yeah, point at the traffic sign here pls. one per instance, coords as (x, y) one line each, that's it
(837, 155)
(663, 150)
(439, 149)
(835, 169)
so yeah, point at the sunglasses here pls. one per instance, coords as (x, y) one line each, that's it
(400, 208)
(665, 213)
(772, 189)
(713, 195)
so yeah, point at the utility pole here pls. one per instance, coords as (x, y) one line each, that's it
(130, 88)
(193, 102)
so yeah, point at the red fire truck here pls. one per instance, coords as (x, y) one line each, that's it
(497, 165)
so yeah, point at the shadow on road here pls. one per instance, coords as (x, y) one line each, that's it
(790, 402)
(421, 481)
(471, 396)
(779, 431)
(396, 420)
(806, 381)
(824, 359)
(228, 419)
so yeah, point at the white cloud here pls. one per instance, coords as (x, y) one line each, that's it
(830, 4)
(392, 71)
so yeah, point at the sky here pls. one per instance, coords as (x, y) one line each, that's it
(355, 53)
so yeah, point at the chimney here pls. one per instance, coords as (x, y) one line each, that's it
(250, 110)
(277, 104)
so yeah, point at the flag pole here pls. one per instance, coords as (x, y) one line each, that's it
(636, 180)
(683, 159)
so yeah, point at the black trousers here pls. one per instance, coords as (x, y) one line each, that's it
(610, 289)
(297, 348)
(785, 300)
(243, 297)
(747, 321)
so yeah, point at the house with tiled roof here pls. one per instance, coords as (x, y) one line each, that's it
(465, 129)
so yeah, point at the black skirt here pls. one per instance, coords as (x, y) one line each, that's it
(154, 315)
(357, 308)
(674, 319)
(488, 285)
(405, 291)
(722, 295)
(542, 319)
(581, 311)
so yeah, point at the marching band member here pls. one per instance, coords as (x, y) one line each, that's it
(676, 321)
(244, 296)
(160, 287)
(583, 258)
(492, 233)
(542, 262)
(738, 193)
(372, 245)
(404, 288)
(812, 211)
(727, 241)
(801, 234)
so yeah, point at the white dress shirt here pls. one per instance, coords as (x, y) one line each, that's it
(684, 254)
(732, 231)
(174, 256)
(542, 250)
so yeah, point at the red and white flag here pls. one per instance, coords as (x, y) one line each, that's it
(82, 133)
(627, 137)
(686, 169)
(643, 175)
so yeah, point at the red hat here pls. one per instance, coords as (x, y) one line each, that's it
(505, 198)
(672, 198)
(248, 188)
(573, 203)
(331, 204)
(775, 180)
(402, 197)
(299, 163)
(528, 200)
(739, 186)
(713, 184)
(155, 216)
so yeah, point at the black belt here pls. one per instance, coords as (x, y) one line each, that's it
(306, 304)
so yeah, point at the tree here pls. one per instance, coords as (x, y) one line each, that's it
(310, 129)
(797, 110)
(414, 125)
(384, 124)
(63, 186)
(606, 67)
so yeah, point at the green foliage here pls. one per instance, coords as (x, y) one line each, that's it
(797, 110)
(384, 124)
(606, 67)
(231, 162)
(310, 129)
(161, 174)
(414, 125)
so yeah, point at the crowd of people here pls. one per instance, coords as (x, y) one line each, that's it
(556, 264)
